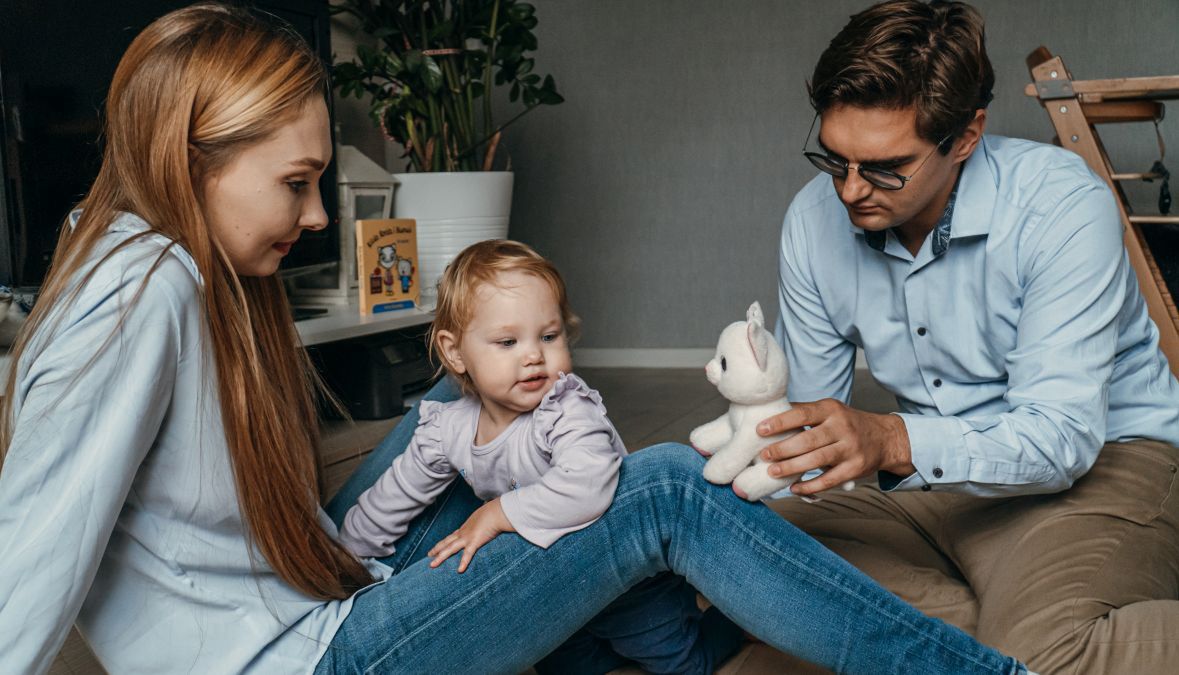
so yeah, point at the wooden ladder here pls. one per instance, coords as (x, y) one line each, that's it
(1075, 108)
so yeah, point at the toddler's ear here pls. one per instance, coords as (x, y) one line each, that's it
(448, 345)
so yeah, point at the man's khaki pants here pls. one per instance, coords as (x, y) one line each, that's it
(1082, 581)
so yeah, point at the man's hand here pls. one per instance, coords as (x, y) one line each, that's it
(485, 524)
(848, 443)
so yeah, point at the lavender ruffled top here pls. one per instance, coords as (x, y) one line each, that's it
(556, 469)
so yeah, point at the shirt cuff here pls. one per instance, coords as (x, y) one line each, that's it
(517, 514)
(934, 444)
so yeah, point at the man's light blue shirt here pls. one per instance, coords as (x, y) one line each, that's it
(1016, 341)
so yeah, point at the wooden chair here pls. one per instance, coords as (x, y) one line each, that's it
(1075, 108)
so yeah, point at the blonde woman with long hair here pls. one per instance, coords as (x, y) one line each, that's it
(158, 483)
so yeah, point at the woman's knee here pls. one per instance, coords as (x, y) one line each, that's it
(662, 463)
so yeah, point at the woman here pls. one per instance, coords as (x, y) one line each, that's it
(158, 482)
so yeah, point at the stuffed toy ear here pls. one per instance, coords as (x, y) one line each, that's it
(754, 315)
(759, 343)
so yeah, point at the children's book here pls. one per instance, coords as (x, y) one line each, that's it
(387, 264)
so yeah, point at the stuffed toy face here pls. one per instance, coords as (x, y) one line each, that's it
(749, 367)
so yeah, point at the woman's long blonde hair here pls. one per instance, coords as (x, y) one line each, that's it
(195, 88)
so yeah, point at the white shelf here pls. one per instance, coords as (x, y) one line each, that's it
(344, 321)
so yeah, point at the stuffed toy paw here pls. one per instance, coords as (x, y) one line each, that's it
(749, 370)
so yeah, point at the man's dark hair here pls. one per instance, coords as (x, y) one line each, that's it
(905, 53)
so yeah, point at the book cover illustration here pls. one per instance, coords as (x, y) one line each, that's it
(387, 264)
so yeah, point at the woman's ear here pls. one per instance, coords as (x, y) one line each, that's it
(449, 347)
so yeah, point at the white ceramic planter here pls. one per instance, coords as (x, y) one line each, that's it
(453, 211)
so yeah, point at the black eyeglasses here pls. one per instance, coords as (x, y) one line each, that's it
(881, 178)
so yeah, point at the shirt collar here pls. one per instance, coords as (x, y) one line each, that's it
(130, 223)
(967, 210)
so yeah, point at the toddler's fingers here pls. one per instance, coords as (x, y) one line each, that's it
(468, 553)
(446, 541)
(446, 551)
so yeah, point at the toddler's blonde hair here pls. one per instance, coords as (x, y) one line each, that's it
(478, 264)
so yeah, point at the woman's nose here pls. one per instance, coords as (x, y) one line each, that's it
(314, 217)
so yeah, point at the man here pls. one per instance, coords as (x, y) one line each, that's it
(1028, 488)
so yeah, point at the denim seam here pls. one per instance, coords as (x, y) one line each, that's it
(832, 582)
(442, 615)
(417, 541)
(371, 667)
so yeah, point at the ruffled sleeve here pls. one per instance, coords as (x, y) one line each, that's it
(571, 428)
(413, 481)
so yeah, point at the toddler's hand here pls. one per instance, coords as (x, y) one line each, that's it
(485, 524)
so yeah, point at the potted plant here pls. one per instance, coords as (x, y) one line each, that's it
(430, 82)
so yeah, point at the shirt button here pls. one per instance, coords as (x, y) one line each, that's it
(937, 473)
(926, 488)
(937, 382)
(921, 330)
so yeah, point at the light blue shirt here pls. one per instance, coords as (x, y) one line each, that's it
(1016, 341)
(117, 497)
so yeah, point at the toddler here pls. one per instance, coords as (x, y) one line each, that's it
(533, 441)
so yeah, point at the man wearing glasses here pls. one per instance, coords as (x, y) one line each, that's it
(1028, 487)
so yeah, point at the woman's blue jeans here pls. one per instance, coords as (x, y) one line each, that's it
(517, 601)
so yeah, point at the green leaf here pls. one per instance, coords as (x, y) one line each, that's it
(525, 67)
(393, 65)
(344, 72)
(514, 93)
(413, 60)
(546, 97)
(431, 74)
(366, 55)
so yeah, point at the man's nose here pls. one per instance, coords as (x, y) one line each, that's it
(854, 187)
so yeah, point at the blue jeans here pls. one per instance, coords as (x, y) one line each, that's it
(517, 602)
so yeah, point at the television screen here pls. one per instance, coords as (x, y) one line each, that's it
(57, 58)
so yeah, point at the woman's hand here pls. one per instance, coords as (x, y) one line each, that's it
(485, 524)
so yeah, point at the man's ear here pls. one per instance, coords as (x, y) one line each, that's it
(449, 346)
(971, 135)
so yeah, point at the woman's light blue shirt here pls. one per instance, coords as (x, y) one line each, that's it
(117, 497)
(1016, 341)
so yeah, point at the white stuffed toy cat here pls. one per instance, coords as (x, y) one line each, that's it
(749, 369)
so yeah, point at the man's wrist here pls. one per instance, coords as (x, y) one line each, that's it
(898, 454)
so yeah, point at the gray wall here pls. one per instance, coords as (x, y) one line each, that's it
(659, 186)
